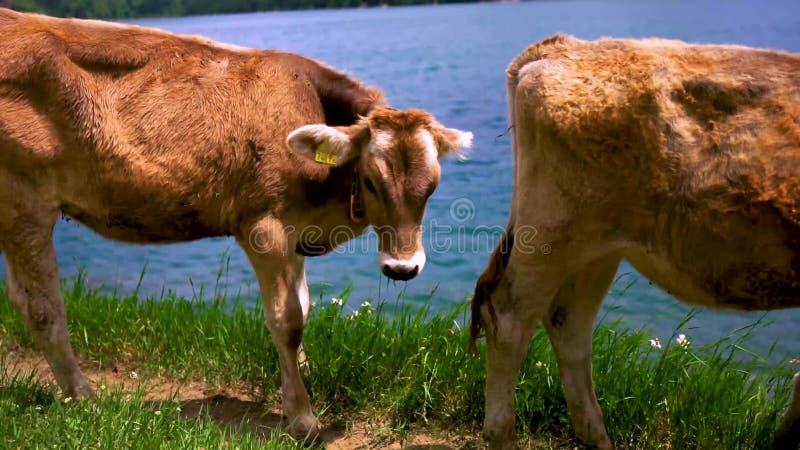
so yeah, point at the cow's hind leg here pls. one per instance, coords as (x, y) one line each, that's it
(512, 301)
(33, 288)
(787, 436)
(506, 347)
(570, 325)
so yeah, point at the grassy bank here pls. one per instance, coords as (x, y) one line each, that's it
(408, 372)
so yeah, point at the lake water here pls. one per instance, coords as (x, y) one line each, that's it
(449, 60)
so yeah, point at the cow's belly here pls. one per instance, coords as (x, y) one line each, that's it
(144, 203)
(142, 226)
(742, 286)
(117, 211)
(675, 280)
(728, 264)
(133, 213)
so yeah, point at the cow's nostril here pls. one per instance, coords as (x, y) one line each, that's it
(399, 274)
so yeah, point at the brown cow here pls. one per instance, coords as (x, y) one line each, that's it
(145, 136)
(682, 159)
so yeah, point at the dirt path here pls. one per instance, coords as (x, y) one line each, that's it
(234, 406)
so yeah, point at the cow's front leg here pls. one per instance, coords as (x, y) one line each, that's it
(281, 277)
(305, 303)
(33, 288)
(787, 436)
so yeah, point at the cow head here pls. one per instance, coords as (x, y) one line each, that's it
(395, 155)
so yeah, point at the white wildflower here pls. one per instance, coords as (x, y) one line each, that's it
(68, 399)
(367, 305)
(337, 301)
(682, 340)
(655, 343)
(353, 315)
(133, 375)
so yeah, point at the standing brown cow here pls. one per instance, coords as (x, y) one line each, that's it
(682, 159)
(145, 136)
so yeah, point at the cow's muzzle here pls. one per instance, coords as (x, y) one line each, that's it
(401, 269)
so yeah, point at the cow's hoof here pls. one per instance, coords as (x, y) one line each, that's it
(80, 391)
(603, 443)
(502, 445)
(304, 427)
(500, 441)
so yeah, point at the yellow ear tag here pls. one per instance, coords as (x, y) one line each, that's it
(324, 154)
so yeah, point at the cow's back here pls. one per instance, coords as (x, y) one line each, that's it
(178, 132)
(680, 152)
(94, 78)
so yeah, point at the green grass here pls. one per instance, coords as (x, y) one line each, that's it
(32, 417)
(410, 371)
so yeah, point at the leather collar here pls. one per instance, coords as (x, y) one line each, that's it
(356, 203)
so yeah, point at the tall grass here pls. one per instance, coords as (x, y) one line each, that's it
(409, 369)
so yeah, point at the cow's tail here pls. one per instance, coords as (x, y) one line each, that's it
(487, 283)
(491, 277)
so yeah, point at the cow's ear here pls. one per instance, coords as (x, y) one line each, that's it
(323, 144)
(450, 140)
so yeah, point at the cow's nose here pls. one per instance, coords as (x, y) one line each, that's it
(400, 273)
(401, 268)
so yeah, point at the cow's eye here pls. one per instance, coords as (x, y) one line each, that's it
(369, 185)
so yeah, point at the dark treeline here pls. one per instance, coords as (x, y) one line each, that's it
(108, 9)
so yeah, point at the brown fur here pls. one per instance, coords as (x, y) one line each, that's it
(80, 95)
(709, 130)
(150, 137)
(682, 159)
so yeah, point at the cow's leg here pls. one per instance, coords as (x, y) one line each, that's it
(519, 300)
(305, 304)
(570, 325)
(33, 288)
(285, 296)
(787, 436)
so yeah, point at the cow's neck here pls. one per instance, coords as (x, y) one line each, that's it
(328, 199)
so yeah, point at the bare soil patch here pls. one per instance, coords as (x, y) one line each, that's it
(237, 407)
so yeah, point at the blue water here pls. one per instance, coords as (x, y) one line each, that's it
(449, 60)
